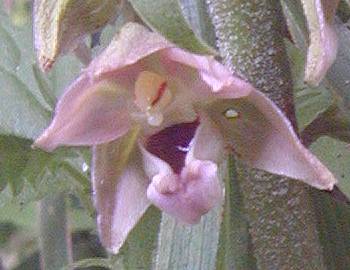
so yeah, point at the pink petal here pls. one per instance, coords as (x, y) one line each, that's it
(119, 192)
(213, 73)
(261, 136)
(207, 143)
(153, 165)
(87, 114)
(189, 195)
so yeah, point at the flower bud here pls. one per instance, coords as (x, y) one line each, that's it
(59, 26)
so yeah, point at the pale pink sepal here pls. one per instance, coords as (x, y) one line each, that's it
(119, 194)
(261, 136)
(189, 195)
(213, 73)
(133, 43)
(87, 114)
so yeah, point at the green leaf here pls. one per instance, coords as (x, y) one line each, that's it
(13, 160)
(336, 82)
(333, 122)
(10, 54)
(189, 247)
(166, 18)
(31, 173)
(23, 217)
(76, 173)
(138, 250)
(295, 19)
(21, 114)
(55, 244)
(81, 220)
(333, 225)
(91, 262)
(20, 12)
(197, 15)
(344, 10)
(23, 37)
(16, 157)
(25, 98)
(235, 247)
(338, 75)
(309, 102)
(336, 156)
(32, 81)
(44, 87)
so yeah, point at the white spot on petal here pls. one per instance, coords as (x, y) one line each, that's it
(231, 113)
(85, 167)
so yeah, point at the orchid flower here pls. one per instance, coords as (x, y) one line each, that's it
(160, 120)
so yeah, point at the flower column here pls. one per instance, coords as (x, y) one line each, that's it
(282, 224)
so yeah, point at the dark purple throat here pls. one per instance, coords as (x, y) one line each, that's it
(171, 144)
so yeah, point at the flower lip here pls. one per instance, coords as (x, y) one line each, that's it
(171, 143)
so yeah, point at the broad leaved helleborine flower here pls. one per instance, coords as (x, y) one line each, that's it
(160, 120)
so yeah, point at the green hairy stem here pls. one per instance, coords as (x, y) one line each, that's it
(279, 211)
(55, 242)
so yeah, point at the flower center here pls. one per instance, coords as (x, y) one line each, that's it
(152, 96)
